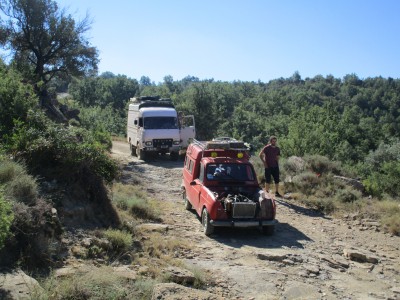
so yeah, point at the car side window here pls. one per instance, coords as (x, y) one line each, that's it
(201, 175)
(190, 168)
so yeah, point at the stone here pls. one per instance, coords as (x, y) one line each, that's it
(312, 269)
(179, 275)
(125, 272)
(272, 257)
(360, 255)
(174, 291)
(17, 285)
(396, 290)
(162, 228)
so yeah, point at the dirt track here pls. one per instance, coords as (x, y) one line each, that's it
(311, 256)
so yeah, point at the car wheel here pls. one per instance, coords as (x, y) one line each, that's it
(140, 153)
(205, 220)
(174, 156)
(188, 205)
(268, 230)
(133, 150)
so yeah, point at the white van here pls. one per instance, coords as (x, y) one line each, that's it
(155, 127)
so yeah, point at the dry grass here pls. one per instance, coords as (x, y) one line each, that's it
(386, 211)
(134, 200)
(97, 283)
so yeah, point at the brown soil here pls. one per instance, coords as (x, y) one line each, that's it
(310, 256)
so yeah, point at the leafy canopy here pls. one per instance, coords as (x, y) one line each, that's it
(45, 41)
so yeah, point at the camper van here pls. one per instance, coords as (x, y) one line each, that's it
(155, 127)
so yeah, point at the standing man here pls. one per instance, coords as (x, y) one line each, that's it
(270, 157)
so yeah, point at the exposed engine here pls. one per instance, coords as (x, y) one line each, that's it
(245, 203)
(240, 204)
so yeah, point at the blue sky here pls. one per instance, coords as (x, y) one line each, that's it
(244, 40)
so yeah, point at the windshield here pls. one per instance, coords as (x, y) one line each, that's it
(160, 123)
(226, 172)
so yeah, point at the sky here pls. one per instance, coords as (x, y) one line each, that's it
(238, 40)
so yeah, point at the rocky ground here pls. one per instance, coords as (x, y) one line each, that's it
(310, 256)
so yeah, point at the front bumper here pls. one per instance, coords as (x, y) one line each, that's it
(163, 149)
(242, 223)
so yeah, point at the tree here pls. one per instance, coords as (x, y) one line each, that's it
(46, 42)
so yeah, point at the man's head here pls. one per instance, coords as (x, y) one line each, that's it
(272, 139)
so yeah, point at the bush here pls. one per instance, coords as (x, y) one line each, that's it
(22, 189)
(10, 170)
(381, 171)
(43, 144)
(133, 200)
(120, 240)
(294, 165)
(306, 182)
(347, 195)
(321, 164)
(16, 99)
(6, 218)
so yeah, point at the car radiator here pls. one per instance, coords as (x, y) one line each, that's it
(244, 210)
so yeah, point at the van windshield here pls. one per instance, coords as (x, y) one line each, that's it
(160, 123)
(226, 172)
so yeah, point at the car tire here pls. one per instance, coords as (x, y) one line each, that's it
(188, 205)
(205, 220)
(140, 153)
(133, 150)
(174, 156)
(268, 230)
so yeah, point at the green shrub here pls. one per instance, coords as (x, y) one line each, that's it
(10, 170)
(6, 218)
(120, 240)
(306, 182)
(134, 200)
(16, 99)
(22, 189)
(43, 144)
(347, 195)
(321, 164)
(385, 180)
(294, 165)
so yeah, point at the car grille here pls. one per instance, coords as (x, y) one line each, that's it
(162, 142)
(244, 210)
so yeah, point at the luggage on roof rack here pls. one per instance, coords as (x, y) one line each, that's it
(224, 145)
(152, 101)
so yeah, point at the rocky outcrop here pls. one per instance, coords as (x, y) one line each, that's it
(17, 285)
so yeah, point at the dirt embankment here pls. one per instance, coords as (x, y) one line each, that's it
(310, 256)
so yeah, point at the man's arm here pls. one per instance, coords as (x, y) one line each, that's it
(262, 157)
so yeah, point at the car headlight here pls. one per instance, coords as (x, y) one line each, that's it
(177, 142)
(149, 143)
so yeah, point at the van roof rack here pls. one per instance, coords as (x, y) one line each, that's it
(221, 145)
(152, 101)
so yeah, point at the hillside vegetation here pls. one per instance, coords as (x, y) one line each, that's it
(54, 152)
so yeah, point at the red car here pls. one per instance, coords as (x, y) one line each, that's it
(220, 183)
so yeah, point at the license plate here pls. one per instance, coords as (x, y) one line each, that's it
(164, 146)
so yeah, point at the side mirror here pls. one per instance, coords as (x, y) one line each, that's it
(135, 122)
